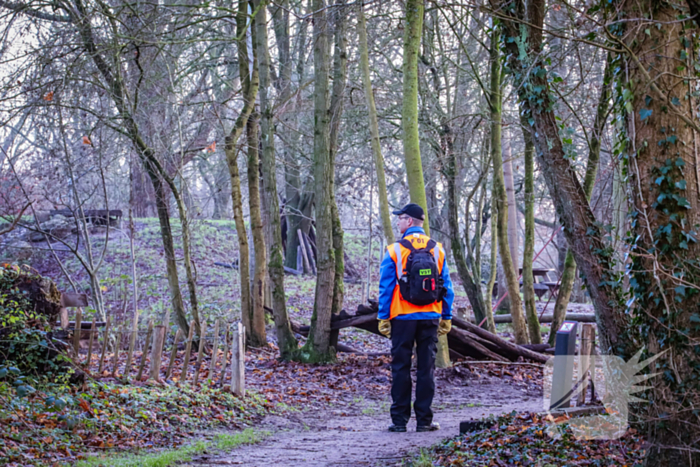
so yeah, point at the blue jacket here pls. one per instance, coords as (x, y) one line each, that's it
(388, 281)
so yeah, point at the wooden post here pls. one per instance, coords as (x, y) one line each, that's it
(584, 353)
(312, 261)
(132, 342)
(188, 351)
(224, 364)
(157, 351)
(307, 268)
(173, 354)
(117, 344)
(238, 361)
(214, 350)
(300, 264)
(200, 353)
(144, 353)
(92, 340)
(76, 334)
(105, 341)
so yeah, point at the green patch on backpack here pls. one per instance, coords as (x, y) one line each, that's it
(426, 272)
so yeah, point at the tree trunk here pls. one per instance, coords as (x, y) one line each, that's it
(533, 322)
(568, 277)
(500, 200)
(256, 335)
(340, 68)
(662, 160)
(374, 127)
(285, 338)
(318, 346)
(409, 116)
(582, 232)
(250, 85)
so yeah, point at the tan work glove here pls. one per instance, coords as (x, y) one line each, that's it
(444, 327)
(385, 327)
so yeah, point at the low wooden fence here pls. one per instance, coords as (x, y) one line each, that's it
(225, 344)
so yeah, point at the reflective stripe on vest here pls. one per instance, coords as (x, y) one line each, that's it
(399, 260)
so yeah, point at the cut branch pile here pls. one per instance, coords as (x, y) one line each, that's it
(465, 339)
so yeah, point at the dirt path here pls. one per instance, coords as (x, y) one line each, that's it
(354, 434)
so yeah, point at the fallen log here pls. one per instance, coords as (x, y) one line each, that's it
(580, 317)
(510, 350)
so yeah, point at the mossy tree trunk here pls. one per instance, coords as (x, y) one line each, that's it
(374, 127)
(340, 72)
(285, 337)
(250, 84)
(659, 143)
(533, 321)
(318, 346)
(499, 196)
(256, 336)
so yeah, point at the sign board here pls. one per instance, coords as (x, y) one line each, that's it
(73, 300)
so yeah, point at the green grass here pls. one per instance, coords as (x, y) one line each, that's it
(223, 442)
(423, 460)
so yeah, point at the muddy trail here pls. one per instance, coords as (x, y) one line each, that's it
(352, 431)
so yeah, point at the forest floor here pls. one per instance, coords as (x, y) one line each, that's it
(338, 414)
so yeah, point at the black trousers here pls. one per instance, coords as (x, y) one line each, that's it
(403, 334)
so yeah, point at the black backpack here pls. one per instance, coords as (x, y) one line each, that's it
(422, 283)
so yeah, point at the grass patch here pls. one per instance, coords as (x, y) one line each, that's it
(222, 442)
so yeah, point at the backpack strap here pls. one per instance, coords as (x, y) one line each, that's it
(407, 244)
(432, 245)
(399, 260)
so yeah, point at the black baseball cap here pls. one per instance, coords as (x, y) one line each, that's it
(413, 210)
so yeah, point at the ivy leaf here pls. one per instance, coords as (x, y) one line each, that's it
(647, 100)
(675, 101)
(695, 318)
(681, 184)
(644, 114)
(680, 290)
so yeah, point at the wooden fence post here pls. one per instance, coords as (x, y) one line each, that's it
(144, 353)
(92, 340)
(224, 364)
(105, 341)
(76, 334)
(157, 351)
(173, 354)
(117, 344)
(214, 350)
(584, 353)
(200, 353)
(188, 352)
(238, 361)
(132, 341)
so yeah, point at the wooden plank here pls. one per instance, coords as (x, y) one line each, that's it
(307, 267)
(132, 342)
(73, 300)
(105, 340)
(200, 353)
(157, 351)
(224, 364)
(584, 360)
(238, 361)
(188, 350)
(76, 334)
(214, 350)
(115, 355)
(92, 340)
(173, 354)
(144, 353)
(312, 261)
(63, 317)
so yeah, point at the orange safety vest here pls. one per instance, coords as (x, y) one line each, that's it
(399, 254)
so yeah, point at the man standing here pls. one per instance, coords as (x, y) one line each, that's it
(415, 306)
